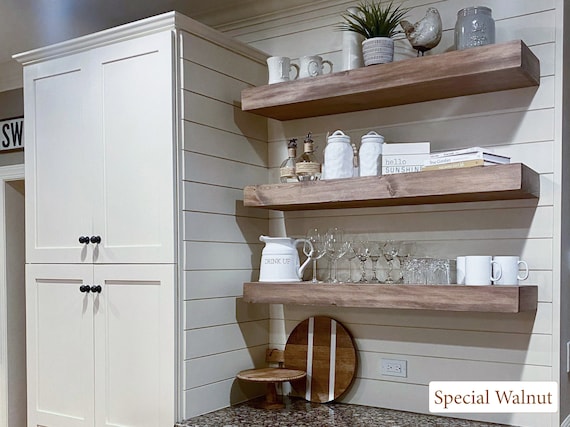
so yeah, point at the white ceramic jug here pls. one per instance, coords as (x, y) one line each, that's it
(280, 259)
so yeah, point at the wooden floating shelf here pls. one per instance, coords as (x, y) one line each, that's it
(490, 299)
(482, 183)
(490, 68)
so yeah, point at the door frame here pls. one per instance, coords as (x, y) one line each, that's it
(7, 173)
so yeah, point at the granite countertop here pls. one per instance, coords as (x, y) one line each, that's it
(300, 413)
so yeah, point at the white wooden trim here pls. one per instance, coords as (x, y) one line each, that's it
(154, 24)
(7, 173)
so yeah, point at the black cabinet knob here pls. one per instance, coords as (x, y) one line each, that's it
(96, 289)
(96, 239)
(83, 239)
(84, 288)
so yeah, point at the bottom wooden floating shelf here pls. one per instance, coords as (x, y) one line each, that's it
(490, 299)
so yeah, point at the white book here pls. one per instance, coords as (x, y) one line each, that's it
(495, 157)
(433, 161)
(392, 148)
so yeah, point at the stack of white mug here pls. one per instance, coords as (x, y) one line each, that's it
(481, 270)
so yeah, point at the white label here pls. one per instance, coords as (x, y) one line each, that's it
(493, 396)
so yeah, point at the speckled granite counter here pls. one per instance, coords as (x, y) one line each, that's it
(300, 413)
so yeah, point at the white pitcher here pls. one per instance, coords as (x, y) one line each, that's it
(280, 259)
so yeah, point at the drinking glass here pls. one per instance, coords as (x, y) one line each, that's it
(335, 246)
(390, 252)
(360, 249)
(317, 240)
(374, 253)
(405, 251)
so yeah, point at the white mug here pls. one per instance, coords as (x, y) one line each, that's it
(460, 266)
(479, 270)
(510, 266)
(280, 69)
(312, 66)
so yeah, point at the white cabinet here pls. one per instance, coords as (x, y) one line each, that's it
(118, 124)
(100, 168)
(100, 155)
(100, 358)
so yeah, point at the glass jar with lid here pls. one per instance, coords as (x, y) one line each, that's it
(475, 26)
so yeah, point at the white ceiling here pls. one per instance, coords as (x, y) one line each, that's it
(29, 24)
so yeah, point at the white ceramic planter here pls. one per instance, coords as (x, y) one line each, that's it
(378, 50)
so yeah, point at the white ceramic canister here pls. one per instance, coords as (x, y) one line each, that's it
(370, 154)
(338, 156)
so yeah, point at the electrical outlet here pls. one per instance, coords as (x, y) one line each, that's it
(394, 368)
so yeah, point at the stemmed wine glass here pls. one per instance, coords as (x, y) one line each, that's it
(405, 251)
(390, 252)
(374, 253)
(317, 240)
(360, 249)
(336, 246)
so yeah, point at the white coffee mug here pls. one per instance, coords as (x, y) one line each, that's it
(280, 69)
(510, 270)
(460, 267)
(479, 270)
(312, 66)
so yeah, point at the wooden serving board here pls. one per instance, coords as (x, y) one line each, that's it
(323, 348)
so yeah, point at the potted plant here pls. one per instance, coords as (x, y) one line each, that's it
(378, 24)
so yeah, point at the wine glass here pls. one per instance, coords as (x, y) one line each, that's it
(318, 251)
(405, 251)
(374, 253)
(336, 246)
(390, 252)
(360, 249)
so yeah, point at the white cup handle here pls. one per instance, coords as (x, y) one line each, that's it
(296, 67)
(493, 278)
(525, 270)
(330, 64)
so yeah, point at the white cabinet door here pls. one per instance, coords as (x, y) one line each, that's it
(101, 358)
(59, 346)
(100, 154)
(59, 158)
(136, 186)
(134, 346)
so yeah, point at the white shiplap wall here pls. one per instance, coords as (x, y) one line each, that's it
(524, 124)
(224, 149)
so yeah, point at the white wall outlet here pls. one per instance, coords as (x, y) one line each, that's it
(394, 368)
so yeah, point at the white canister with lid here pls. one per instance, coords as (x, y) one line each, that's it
(370, 154)
(338, 156)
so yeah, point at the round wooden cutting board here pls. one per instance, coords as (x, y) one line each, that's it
(323, 348)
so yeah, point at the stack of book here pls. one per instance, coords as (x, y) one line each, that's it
(464, 158)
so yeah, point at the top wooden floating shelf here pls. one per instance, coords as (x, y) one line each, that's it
(475, 184)
(490, 68)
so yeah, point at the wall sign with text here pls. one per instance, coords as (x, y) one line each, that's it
(12, 134)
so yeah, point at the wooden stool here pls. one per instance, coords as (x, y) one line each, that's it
(272, 376)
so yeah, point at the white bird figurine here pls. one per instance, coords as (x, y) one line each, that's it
(426, 33)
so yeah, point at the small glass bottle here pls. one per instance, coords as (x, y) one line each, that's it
(288, 170)
(307, 166)
(475, 26)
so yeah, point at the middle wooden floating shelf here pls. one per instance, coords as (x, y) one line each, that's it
(490, 299)
(483, 183)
